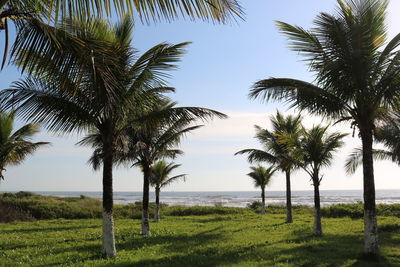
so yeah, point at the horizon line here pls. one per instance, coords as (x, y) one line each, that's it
(191, 191)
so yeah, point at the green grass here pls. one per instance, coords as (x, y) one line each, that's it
(245, 239)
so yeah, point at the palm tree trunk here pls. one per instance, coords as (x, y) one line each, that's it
(108, 249)
(317, 206)
(146, 188)
(157, 211)
(289, 218)
(371, 244)
(263, 201)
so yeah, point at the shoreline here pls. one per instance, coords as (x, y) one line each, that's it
(239, 198)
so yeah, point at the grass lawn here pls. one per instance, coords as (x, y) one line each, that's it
(212, 240)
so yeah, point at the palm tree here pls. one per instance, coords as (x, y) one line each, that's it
(15, 146)
(157, 137)
(160, 177)
(35, 19)
(356, 80)
(313, 152)
(113, 83)
(276, 152)
(262, 177)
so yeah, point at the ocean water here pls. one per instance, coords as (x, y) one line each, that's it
(242, 198)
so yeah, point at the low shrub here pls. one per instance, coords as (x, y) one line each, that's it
(10, 214)
(255, 205)
(355, 210)
(279, 209)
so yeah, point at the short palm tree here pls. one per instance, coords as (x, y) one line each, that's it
(160, 178)
(356, 80)
(113, 84)
(262, 177)
(277, 152)
(313, 152)
(15, 146)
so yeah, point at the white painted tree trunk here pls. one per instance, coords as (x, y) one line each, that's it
(371, 244)
(317, 224)
(108, 235)
(145, 223)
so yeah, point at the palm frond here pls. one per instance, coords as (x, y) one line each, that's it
(211, 10)
(16, 146)
(355, 159)
(303, 95)
(257, 155)
(149, 70)
(41, 102)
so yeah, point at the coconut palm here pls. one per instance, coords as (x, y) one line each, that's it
(356, 80)
(113, 83)
(157, 138)
(276, 152)
(35, 19)
(314, 151)
(262, 177)
(160, 178)
(15, 146)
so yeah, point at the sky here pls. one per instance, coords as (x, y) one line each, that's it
(220, 66)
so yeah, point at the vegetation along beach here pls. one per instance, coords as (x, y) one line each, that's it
(199, 133)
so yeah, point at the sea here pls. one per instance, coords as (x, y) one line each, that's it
(241, 198)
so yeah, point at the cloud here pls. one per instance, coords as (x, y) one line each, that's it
(230, 135)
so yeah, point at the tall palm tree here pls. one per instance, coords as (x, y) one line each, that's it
(35, 19)
(314, 151)
(356, 80)
(15, 146)
(160, 178)
(262, 177)
(277, 152)
(113, 83)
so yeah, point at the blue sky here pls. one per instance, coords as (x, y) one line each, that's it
(221, 64)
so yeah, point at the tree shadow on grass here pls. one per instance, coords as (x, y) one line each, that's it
(211, 220)
(171, 242)
(328, 250)
(301, 250)
(93, 249)
(48, 229)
